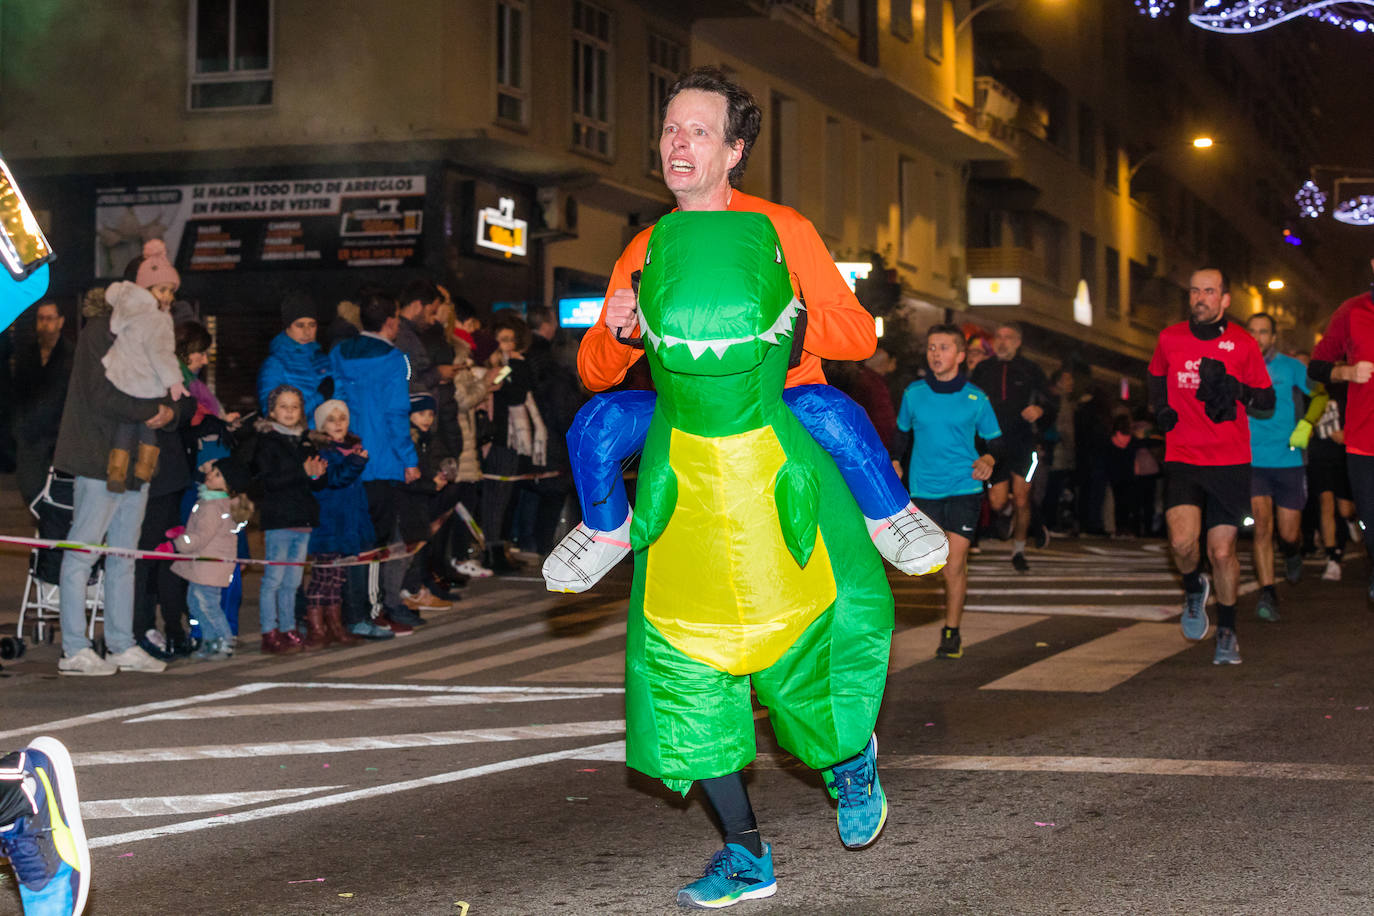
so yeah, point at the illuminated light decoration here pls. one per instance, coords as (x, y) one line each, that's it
(1311, 200)
(1155, 8)
(1290, 238)
(1357, 211)
(1241, 16)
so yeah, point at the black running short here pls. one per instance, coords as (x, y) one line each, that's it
(954, 514)
(1016, 459)
(1287, 487)
(1326, 469)
(1221, 491)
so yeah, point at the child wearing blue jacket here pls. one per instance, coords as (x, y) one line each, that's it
(345, 529)
(294, 358)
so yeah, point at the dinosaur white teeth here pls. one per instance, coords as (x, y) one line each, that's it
(769, 337)
(697, 347)
(720, 348)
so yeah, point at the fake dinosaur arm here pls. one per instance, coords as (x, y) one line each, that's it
(798, 495)
(654, 505)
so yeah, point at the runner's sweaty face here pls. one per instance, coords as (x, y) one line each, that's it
(1206, 301)
(1262, 330)
(695, 157)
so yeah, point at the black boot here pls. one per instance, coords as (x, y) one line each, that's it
(497, 561)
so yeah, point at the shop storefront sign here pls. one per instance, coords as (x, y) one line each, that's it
(994, 290)
(362, 221)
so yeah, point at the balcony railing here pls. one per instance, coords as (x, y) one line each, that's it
(1006, 262)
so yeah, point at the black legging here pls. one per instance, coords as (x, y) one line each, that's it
(154, 582)
(1361, 471)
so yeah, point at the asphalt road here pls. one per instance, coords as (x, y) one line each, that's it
(1080, 758)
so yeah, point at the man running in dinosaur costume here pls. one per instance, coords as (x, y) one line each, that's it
(709, 127)
(825, 715)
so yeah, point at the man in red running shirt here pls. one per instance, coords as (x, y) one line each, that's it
(1349, 342)
(1205, 374)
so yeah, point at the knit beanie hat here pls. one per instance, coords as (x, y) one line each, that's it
(236, 477)
(211, 449)
(297, 304)
(422, 401)
(156, 267)
(333, 405)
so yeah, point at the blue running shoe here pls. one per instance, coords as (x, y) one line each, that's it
(863, 806)
(48, 849)
(732, 875)
(1228, 649)
(1267, 608)
(1194, 620)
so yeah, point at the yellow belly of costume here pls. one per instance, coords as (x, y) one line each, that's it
(720, 584)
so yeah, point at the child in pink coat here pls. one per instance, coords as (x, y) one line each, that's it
(212, 530)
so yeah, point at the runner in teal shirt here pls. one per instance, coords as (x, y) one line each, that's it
(1278, 482)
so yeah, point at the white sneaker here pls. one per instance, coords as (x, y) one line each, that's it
(135, 659)
(472, 569)
(910, 541)
(86, 663)
(584, 556)
(1332, 573)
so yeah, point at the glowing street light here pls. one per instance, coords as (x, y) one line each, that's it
(1276, 284)
(1202, 142)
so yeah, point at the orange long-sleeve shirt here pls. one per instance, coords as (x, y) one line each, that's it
(837, 326)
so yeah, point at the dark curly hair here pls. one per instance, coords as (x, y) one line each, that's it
(191, 337)
(742, 115)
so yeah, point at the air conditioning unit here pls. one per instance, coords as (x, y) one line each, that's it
(557, 214)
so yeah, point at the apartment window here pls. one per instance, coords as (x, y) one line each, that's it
(1113, 298)
(666, 61)
(786, 143)
(870, 211)
(1111, 146)
(835, 174)
(935, 29)
(230, 54)
(1087, 139)
(901, 20)
(512, 74)
(846, 15)
(1087, 260)
(908, 198)
(591, 78)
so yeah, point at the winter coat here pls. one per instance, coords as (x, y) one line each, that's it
(290, 363)
(371, 377)
(284, 492)
(468, 392)
(424, 375)
(345, 523)
(211, 531)
(94, 408)
(40, 390)
(143, 360)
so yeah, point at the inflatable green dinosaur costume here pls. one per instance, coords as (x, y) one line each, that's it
(753, 565)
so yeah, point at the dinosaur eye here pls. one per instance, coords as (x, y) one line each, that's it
(779, 251)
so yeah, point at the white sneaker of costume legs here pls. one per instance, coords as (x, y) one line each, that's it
(910, 541)
(585, 555)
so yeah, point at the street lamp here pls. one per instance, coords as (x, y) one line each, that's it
(1276, 284)
(1196, 143)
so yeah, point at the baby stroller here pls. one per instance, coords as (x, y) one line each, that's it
(52, 508)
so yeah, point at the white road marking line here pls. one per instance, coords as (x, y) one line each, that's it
(593, 752)
(604, 669)
(344, 745)
(1121, 611)
(1076, 592)
(163, 805)
(917, 644)
(462, 669)
(488, 608)
(1128, 766)
(357, 705)
(122, 711)
(1011, 575)
(462, 647)
(1100, 664)
(429, 633)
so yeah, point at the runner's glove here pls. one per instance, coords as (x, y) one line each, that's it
(1302, 434)
(1217, 390)
(1166, 418)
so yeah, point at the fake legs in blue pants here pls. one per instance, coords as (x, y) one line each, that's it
(611, 427)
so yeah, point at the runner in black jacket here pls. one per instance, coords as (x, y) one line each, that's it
(1020, 397)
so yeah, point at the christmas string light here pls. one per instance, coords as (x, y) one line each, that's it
(1357, 211)
(1240, 16)
(1155, 8)
(1311, 200)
